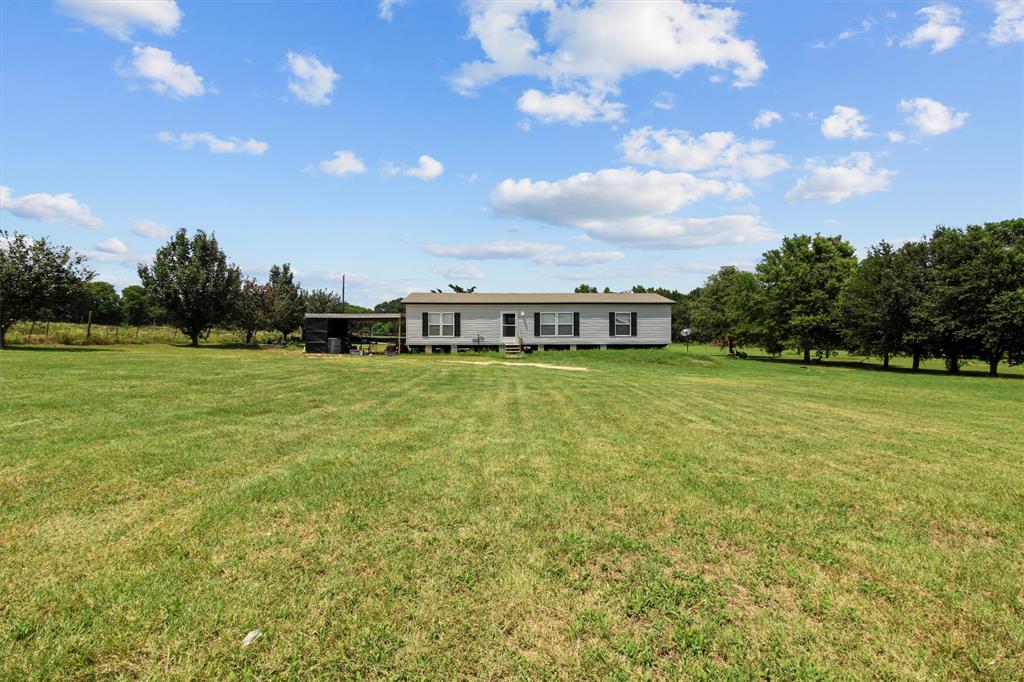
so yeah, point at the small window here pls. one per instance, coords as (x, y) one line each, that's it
(441, 324)
(556, 324)
(622, 324)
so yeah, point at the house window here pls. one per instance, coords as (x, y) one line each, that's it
(441, 324)
(556, 324)
(622, 324)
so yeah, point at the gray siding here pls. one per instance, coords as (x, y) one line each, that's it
(654, 324)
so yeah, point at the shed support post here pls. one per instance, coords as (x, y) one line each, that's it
(428, 348)
(572, 346)
(604, 347)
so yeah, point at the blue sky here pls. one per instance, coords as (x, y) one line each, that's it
(513, 147)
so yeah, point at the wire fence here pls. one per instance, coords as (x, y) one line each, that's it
(74, 334)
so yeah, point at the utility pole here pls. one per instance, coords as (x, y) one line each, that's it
(343, 290)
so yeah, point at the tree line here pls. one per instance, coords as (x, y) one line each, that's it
(956, 295)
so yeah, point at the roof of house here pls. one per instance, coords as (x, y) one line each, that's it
(357, 316)
(626, 298)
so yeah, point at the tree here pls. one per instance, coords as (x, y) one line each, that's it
(455, 288)
(722, 308)
(103, 301)
(137, 308)
(324, 301)
(36, 276)
(913, 274)
(874, 305)
(192, 279)
(287, 305)
(585, 289)
(801, 282)
(253, 308)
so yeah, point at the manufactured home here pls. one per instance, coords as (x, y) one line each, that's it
(436, 321)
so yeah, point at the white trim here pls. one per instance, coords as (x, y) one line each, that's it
(557, 313)
(501, 324)
(440, 324)
(629, 323)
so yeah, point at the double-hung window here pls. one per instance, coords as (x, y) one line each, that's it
(441, 324)
(556, 324)
(623, 324)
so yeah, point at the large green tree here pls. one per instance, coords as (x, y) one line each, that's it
(193, 281)
(137, 308)
(253, 308)
(723, 309)
(101, 300)
(287, 306)
(36, 277)
(801, 282)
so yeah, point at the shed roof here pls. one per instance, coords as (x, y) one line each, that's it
(626, 298)
(356, 316)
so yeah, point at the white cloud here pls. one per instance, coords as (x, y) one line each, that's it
(428, 168)
(931, 117)
(845, 122)
(49, 208)
(150, 230)
(766, 118)
(852, 175)
(1009, 23)
(570, 107)
(895, 136)
(537, 252)
(942, 28)
(165, 76)
(665, 101)
(120, 19)
(216, 145)
(461, 271)
(112, 245)
(865, 26)
(720, 153)
(343, 163)
(630, 207)
(312, 81)
(386, 8)
(594, 46)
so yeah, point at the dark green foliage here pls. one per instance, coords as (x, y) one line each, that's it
(102, 300)
(723, 309)
(455, 288)
(253, 308)
(287, 305)
(192, 280)
(324, 301)
(35, 278)
(801, 282)
(138, 308)
(585, 289)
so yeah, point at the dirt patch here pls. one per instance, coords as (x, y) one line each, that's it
(521, 364)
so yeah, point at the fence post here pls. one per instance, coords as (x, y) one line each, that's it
(88, 329)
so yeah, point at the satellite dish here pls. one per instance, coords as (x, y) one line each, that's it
(686, 332)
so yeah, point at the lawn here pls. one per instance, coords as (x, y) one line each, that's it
(664, 514)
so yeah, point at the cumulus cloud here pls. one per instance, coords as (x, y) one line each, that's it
(845, 122)
(461, 271)
(931, 117)
(386, 8)
(942, 28)
(1009, 23)
(165, 76)
(121, 19)
(537, 252)
(569, 107)
(343, 163)
(428, 168)
(766, 118)
(112, 245)
(853, 175)
(592, 47)
(216, 145)
(895, 136)
(630, 207)
(49, 208)
(312, 81)
(150, 229)
(721, 154)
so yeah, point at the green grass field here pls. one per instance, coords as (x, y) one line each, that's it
(664, 515)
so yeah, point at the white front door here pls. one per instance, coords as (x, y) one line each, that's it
(508, 328)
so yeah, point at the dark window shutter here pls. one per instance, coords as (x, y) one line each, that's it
(458, 324)
(536, 324)
(611, 324)
(575, 324)
(632, 324)
(426, 328)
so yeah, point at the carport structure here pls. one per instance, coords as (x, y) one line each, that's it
(319, 327)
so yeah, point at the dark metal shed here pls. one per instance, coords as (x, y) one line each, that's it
(319, 327)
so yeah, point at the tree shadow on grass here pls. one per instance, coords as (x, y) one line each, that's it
(233, 346)
(872, 367)
(52, 349)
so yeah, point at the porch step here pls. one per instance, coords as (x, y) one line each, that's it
(513, 348)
